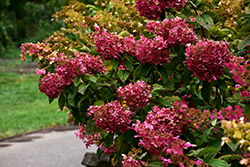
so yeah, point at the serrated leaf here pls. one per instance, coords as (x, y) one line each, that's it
(222, 84)
(230, 157)
(217, 163)
(137, 71)
(169, 85)
(205, 21)
(98, 103)
(206, 150)
(77, 81)
(123, 75)
(164, 101)
(119, 142)
(143, 155)
(89, 127)
(82, 88)
(109, 139)
(115, 64)
(129, 65)
(163, 73)
(155, 164)
(145, 69)
(206, 90)
(62, 101)
(244, 43)
(157, 87)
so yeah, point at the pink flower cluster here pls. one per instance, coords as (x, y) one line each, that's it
(153, 51)
(51, 85)
(152, 9)
(110, 46)
(67, 70)
(234, 115)
(39, 50)
(135, 95)
(175, 31)
(133, 159)
(207, 59)
(111, 117)
(162, 127)
(228, 113)
(240, 70)
(109, 150)
(87, 139)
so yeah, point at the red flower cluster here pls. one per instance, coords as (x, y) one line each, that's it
(51, 85)
(162, 124)
(111, 117)
(67, 70)
(87, 139)
(153, 51)
(240, 70)
(207, 59)
(152, 9)
(136, 95)
(110, 46)
(175, 31)
(234, 115)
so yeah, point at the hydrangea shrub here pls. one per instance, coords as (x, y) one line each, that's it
(152, 82)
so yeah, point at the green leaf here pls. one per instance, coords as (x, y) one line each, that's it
(164, 101)
(217, 163)
(155, 164)
(82, 88)
(145, 69)
(206, 150)
(99, 152)
(115, 64)
(205, 21)
(169, 85)
(98, 103)
(51, 100)
(77, 81)
(119, 142)
(92, 79)
(137, 72)
(244, 43)
(157, 87)
(163, 73)
(247, 110)
(128, 64)
(206, 91)
(129, 137)
(109, 139)
(230, 157)
(123, 75)
(89, 127)
(222, 84)
(143, 155)
(71, 98)
(62, 101)
(216, 144)
(233, 146)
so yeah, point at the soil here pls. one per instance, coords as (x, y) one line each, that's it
(17, 66)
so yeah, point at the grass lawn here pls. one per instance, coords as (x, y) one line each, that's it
(23, 108)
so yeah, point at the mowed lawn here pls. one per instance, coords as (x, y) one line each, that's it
(23, 108)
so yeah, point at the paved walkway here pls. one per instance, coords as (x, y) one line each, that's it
(50, 149)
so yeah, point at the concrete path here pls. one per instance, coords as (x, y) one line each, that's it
(50, 149)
